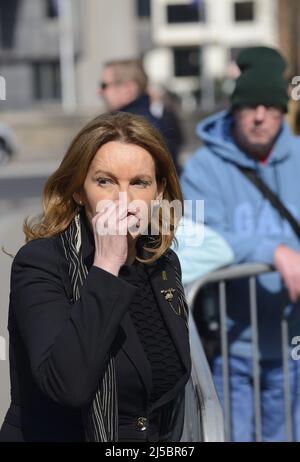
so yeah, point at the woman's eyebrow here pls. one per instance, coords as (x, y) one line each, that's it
(139, 175)
(103, 172)
(142, 175)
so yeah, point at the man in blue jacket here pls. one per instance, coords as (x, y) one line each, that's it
(254, 134)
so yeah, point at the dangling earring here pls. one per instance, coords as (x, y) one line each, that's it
(80, 205)
(158, 202)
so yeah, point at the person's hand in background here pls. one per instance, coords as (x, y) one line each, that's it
(287, 262)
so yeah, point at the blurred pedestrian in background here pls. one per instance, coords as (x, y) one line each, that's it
(250, 155)
(124, 87)
(165, 106)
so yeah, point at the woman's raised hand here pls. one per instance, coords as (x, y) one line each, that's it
(110, 227)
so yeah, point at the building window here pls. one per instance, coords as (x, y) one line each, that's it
(243, 11)
(52, 9)
(186, 12)
(143, 8)
(9, 15)
(46, 81)
(187, 62)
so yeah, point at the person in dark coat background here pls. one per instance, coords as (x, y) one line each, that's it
(124, 87)
(98, 322)
(165, 106)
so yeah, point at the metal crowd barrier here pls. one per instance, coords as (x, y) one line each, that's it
(203, 412)
(209, 412)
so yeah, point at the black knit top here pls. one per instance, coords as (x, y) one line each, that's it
(153, 333)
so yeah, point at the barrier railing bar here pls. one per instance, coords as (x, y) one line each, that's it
(286, 376)
(225, 365)
(212, 423)
(255, 354)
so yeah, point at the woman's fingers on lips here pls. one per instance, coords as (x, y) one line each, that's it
(132, 208)
(123, 212)
(132, 220)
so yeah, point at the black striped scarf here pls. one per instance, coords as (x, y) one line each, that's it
(100, 418)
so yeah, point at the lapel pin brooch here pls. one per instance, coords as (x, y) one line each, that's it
(168, 293)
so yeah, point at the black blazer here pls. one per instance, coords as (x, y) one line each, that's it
(58, 348)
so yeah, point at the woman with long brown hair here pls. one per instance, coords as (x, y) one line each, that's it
(99, 347)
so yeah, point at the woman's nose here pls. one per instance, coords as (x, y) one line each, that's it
(126, 192)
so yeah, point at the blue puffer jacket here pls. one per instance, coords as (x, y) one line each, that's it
(237, 210)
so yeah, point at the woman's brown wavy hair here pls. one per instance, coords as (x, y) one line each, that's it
(59, 206)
